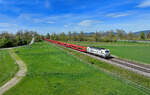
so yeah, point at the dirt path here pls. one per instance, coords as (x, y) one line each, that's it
(18, 76)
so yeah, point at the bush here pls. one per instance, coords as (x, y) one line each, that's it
(20, 38)
(6, 42)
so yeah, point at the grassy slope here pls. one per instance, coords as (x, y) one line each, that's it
(7, 66)
(54, 72)
(122, 74)
(133, 51)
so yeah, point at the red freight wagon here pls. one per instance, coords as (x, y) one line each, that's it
(76, 47)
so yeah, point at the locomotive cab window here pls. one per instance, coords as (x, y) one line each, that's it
(107, 51)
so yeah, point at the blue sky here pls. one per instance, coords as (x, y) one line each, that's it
(74, 15)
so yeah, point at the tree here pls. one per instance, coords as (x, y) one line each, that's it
(20, 33)
(131, 36)
(74, 36)
(111, 35)
(120, 34)
(142, 36)
(148, 35)
(63, 36)
(19, 41)
(19, 38)
(81, 36)
(38, 38)
(47, 36)
(96, 36)
(27, 37)
(54, 37)
(69, 36)
(5, 42)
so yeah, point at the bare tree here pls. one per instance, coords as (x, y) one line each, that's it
(120, 34)
(69, 36)
(97, 36)
(131, 36)
(148, 35)
(81, 36)
(111, 35)
(75, 36)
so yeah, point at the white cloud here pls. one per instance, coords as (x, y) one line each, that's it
(5, 25)
(35, 18)
(50, 22)
(116, 15)
(144, 4)
(69, 25)
(42, 20)
(88, 22)
(66, 26)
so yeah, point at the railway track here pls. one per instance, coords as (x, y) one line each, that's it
(132, 66)
(138, 68)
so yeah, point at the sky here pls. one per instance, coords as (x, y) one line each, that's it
(74, 15)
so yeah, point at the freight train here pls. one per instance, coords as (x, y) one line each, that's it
(102, 52)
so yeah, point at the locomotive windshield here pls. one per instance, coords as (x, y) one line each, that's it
(107, 51)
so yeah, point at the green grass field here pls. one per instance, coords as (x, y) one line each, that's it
(7, 67)
(133, 51)
(52, 71)
(120, 73)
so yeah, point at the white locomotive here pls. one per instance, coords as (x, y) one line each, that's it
(99, 51)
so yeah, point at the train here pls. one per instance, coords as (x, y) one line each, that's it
(102, 52)
(99, 51)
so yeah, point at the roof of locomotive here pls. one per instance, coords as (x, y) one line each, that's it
(97, 48)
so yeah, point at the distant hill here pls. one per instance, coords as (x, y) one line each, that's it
(137, 33)
(89, 34)
(145, 31)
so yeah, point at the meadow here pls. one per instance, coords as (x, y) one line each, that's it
(127, 76)
(7, 67)
(52, 71)
(139, 52)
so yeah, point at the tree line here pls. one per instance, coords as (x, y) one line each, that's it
(108, 36)
(18, 39)
(24, 37)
